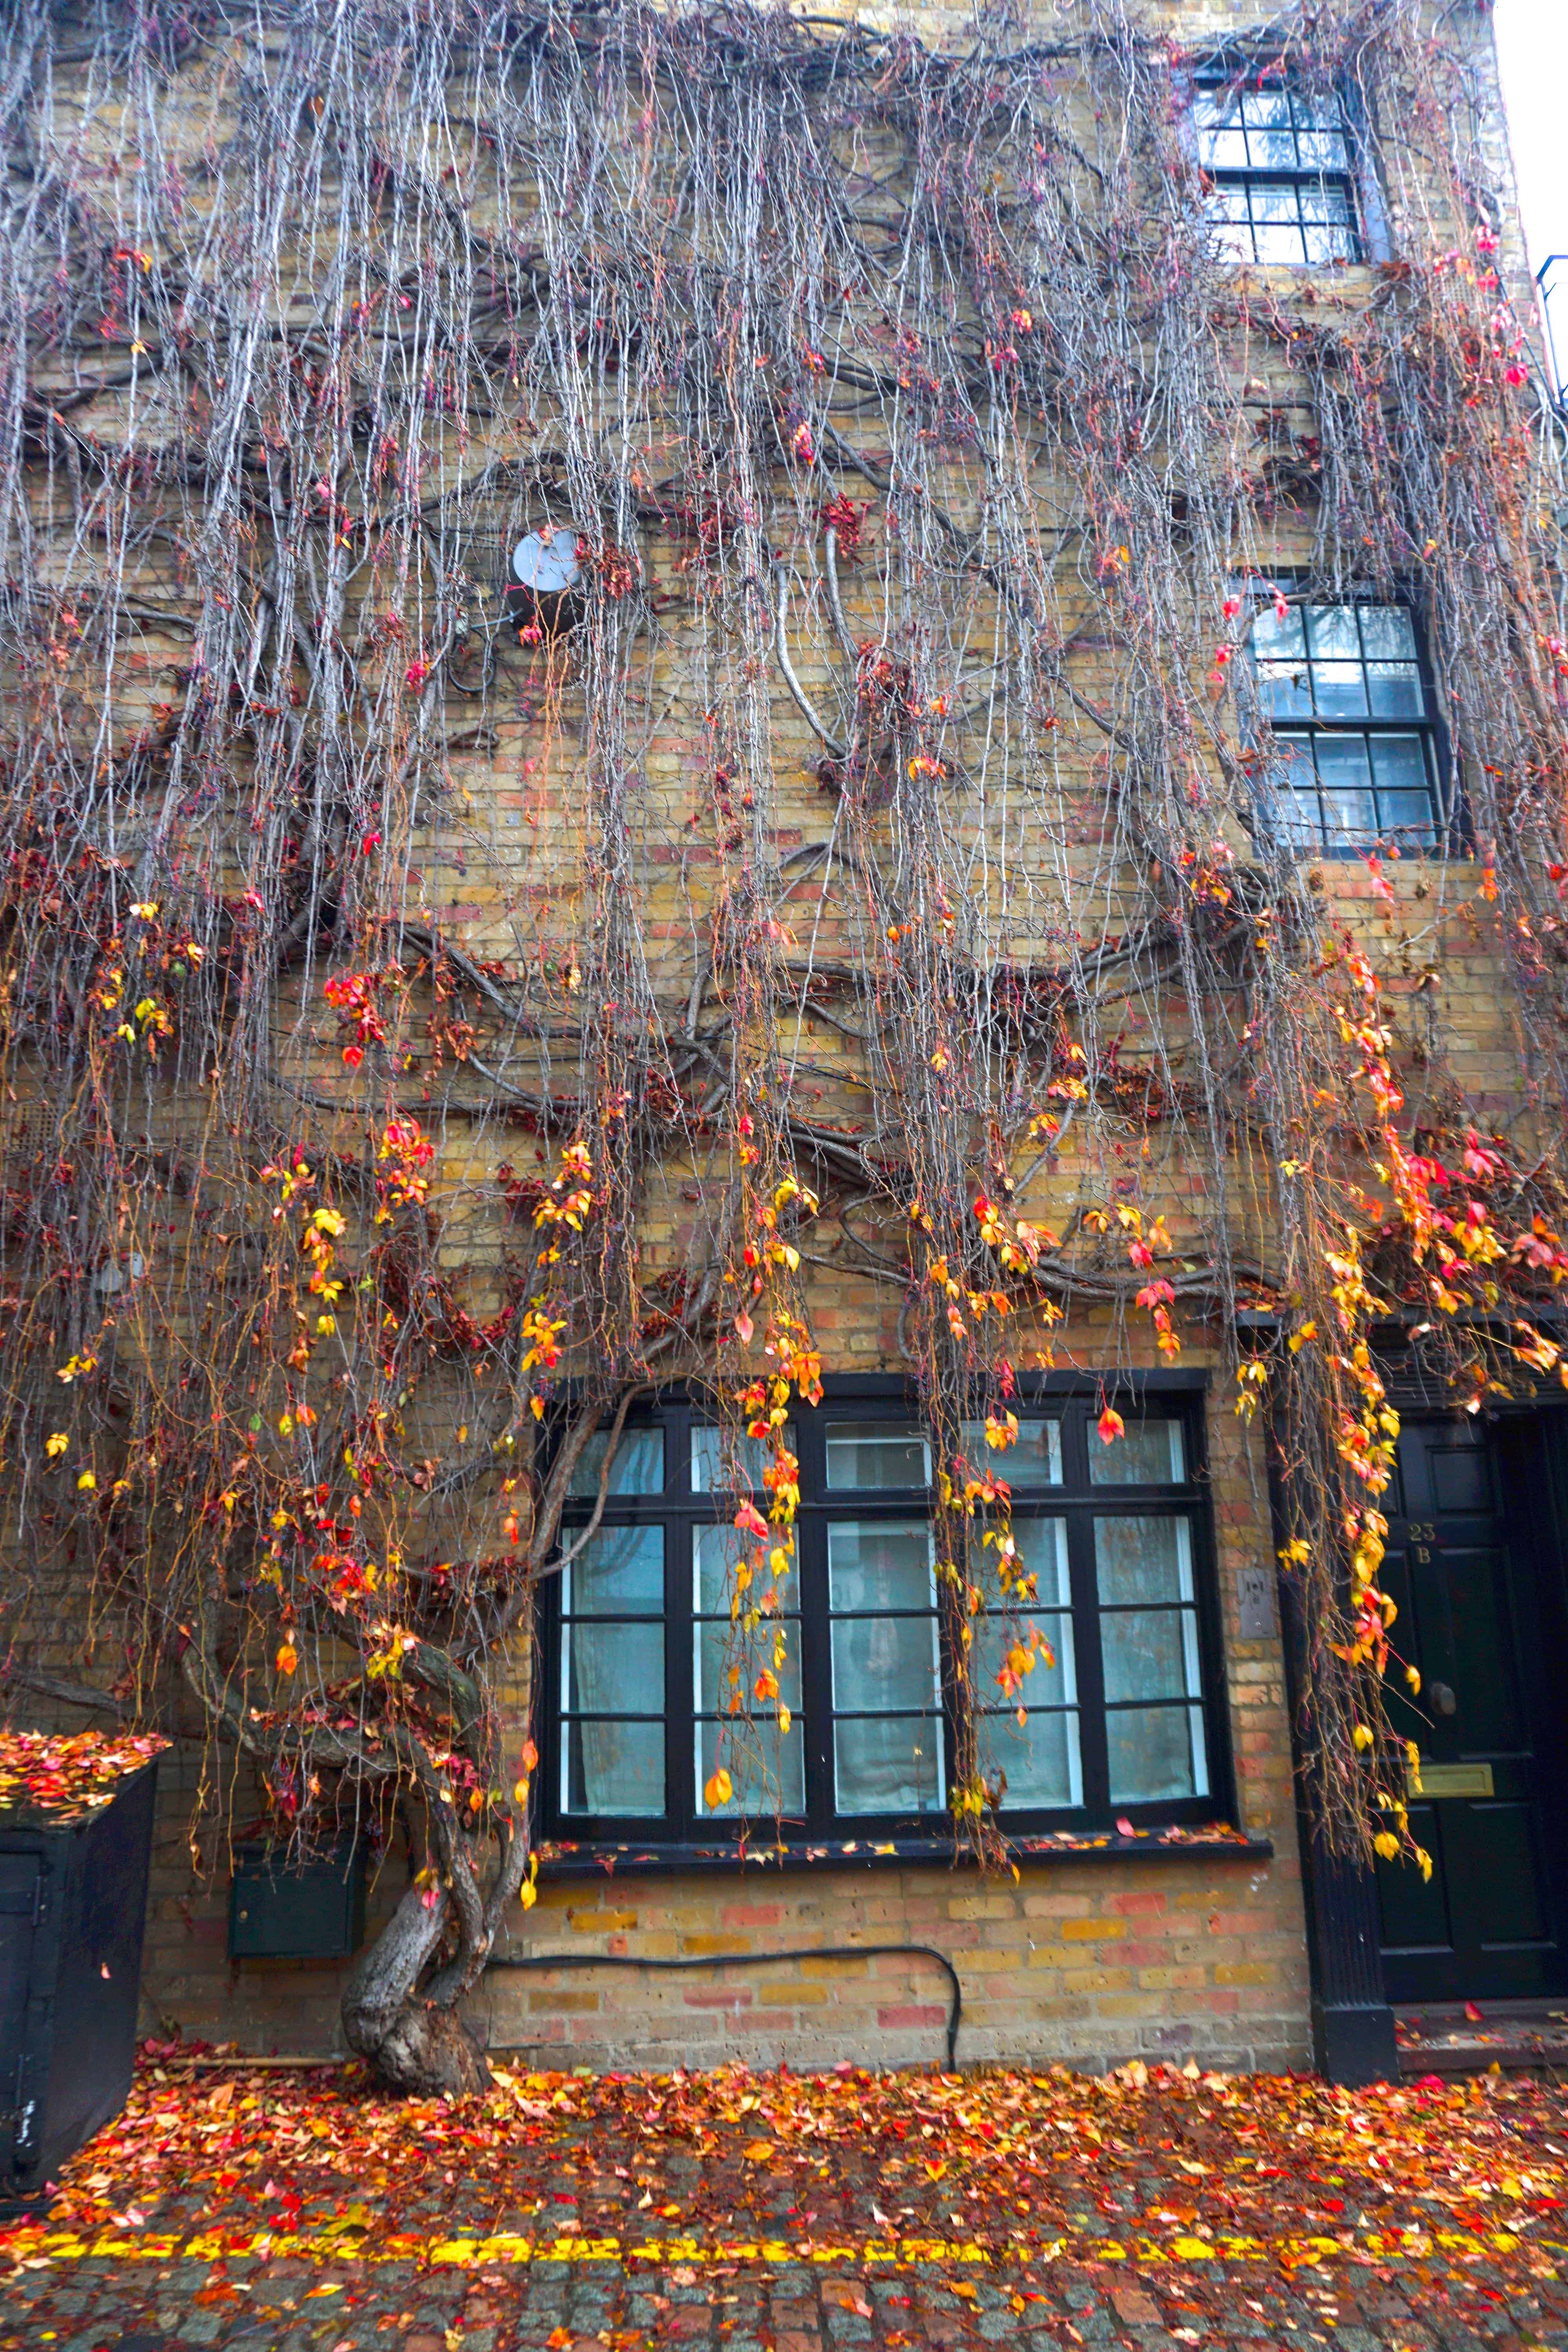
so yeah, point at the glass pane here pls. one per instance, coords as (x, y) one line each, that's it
(1291, 770)
(721, 1650)
(1266, 110)
(1343, 774)
(1349, 822)
(620, 1574)
(1224, 149)
(1151, 1454)
(611, 1669)
(868, 1455)
(1156, 1752)
(1407, 818)
(1048, 1685)
(1387, 632)
(1043, 1547)
(1034, 1458)
(1322, 151)
(1275, 242)
(638, 1468)
(1142, 1560)
(1331, 633)
(1149, 1653)
(749, 1456)
(1322, 201)
(1274, 639)
(1318, 109)
(1040, 1759)
(1283, 689)
(880, 1566)
(883, 1663)
(717, 1553)
(1298, 821)
(768, 1774)
(1334, 243)
(1399, 765)
(1339, 689)
(891, 1766)
(1395, 689)
(612, 1768)
(1272, 150)
(1276, 204)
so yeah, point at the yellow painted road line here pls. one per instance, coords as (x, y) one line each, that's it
(336, 2245)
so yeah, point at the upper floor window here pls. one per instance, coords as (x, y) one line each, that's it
(1282, 174)
(1357, 754)
(845, 1670)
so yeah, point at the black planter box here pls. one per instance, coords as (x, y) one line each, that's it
(73, 1906)
(283, 1910)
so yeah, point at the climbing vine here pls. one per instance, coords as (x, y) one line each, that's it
(435, 1012)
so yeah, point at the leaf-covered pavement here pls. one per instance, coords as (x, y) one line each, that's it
(289, 2212)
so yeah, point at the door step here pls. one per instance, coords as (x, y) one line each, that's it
(1469, 2038)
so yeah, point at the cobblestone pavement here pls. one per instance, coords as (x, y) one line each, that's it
(1429, 2219)
(289, 2306)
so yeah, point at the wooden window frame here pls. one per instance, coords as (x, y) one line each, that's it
(685, 1828)
(1256, 79)
(1447, 816)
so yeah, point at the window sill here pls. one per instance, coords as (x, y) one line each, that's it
(563, 1861)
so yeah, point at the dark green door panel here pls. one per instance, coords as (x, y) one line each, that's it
(1473, 1568)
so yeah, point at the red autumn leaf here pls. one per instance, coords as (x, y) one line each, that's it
(1111, 1425)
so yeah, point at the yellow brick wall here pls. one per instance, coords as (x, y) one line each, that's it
(1086, 1960)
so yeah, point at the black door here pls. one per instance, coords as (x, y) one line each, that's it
(18, 1913)
(1472, 1568)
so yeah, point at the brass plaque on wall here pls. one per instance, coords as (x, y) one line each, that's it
(1450, 1780)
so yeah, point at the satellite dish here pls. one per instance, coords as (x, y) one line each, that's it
(546, 561)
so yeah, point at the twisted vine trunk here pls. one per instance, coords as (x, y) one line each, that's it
(405, 2026)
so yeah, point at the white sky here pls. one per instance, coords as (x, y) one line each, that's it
(1532, 41)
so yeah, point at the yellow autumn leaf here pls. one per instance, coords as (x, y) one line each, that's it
(757, 2151)
(57, 1444)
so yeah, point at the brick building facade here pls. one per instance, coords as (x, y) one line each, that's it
(1154, 1903)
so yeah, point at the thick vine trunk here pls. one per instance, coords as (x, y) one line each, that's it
(413, 2045)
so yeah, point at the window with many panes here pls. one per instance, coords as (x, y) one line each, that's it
(1280, 173)
(1356, 761)
(643, 1649)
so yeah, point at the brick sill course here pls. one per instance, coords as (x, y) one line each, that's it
(1218, 1839)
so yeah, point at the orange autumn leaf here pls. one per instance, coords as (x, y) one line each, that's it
(1111, 1425)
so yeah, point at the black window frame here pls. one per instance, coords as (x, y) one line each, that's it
(685, 1830)
(1447, 826)
(1240, 80)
